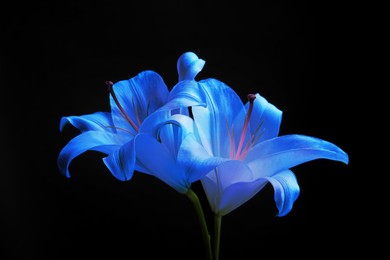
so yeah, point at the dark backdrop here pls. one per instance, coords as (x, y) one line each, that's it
(56, 59)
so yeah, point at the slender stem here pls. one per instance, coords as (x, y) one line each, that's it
(217, 234)
(203, 225)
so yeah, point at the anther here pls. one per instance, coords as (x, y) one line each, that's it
(251, 98)
(109, 85)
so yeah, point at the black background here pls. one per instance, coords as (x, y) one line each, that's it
(55, 60)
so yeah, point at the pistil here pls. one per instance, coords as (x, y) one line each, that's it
(128, 119)
(251, 99)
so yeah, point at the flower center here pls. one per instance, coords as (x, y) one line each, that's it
(242, 150)
(125, 115)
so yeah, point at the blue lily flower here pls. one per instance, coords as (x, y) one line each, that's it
(124, 134)
(244, 139)
(115, 133)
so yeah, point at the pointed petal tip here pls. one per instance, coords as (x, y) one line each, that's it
(62, 165)
(63, 122)
(117, 172)
(346, 159)
(342, 156)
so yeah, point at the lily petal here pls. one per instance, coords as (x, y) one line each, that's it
(96, 121)
(194, 158)
(103, 142)
(230, 186)
(223, 105)
(159, 162)
(138, 96)
(189, 65)
(265, 120)
(186, 93)
(284, 152)
(286, 191)
(121, 162)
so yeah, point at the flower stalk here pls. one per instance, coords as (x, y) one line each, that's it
(202, 220)
(217, 234)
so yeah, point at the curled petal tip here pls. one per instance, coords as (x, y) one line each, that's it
(189, 65)
(63, 122)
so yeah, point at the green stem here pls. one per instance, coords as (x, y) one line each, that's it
(203, 225)
(217, 234)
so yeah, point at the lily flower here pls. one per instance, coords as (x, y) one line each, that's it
(114, 133)
(245, 139)
(122, 135)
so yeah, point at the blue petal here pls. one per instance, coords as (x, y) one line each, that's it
(189, 65)
(239, 193)
(265, 120)
(178, 134)
(212, 191)
(97, 121)
(156, 122)
(286, 191)
(213, 122)
(92, 140)
(281, 153)
(230, 186)
(121, 162)
(159, 162)
(139, 97)
(174, 130)
(186, 93)
(194, 158)
(151, 122)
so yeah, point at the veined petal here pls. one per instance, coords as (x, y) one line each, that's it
(159, 120)
(139, 97)
(159, 162)
(213, 122)
(185, 123)
(186, 93)
(202, 118)
(230, 186)
(237, 194)
(103, 142)
(284, 152)
(152, 123)
(194, 158)
(189, 65)
(231, 172)
(121, 162)
(286, 190)
(96, 121)
(172, 132)
(265, 120)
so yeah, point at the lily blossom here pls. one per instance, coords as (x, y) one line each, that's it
(114, 133)
(122, 135)
(245, 139)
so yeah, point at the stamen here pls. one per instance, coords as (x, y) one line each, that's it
(122, 129)
(128, 119)
(136, 112)
(231, 139)
(251, 98)
(148, 107)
